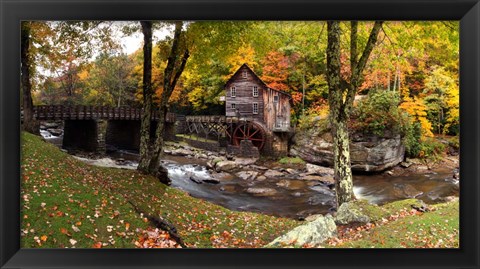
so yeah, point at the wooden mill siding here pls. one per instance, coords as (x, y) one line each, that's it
(275, 115)
(244, 98)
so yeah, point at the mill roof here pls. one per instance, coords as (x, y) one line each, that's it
(256, 78)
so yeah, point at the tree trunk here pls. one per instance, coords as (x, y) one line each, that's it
(338, 115)
(145, 152)
(155, 167)
(341, 95)
(341, 152)
(173, 70)
(29, 123)
(172, 73)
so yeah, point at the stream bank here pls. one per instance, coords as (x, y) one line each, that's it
(287, 190)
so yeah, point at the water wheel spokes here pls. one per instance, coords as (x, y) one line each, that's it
(249, 131)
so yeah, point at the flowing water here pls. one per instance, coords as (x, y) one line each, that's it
(286, 197)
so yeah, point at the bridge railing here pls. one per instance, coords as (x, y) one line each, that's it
(79, 112)
(216, 119)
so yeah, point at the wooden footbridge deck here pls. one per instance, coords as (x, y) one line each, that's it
(59, 112)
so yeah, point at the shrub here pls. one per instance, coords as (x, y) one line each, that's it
(411, 140)
(379, 112)
(454, 142)
(431, 148)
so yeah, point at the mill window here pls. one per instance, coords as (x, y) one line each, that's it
(255, 91)
(255, 108)
(233, 92)
(275, 98)
(244, 74)
(233, 105)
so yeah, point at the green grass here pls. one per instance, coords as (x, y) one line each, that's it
(397, 226)
(436, 229)
(291, 160)
(66, 201)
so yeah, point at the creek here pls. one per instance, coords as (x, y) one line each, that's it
(283, 196)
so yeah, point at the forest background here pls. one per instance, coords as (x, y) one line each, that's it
(410, 81)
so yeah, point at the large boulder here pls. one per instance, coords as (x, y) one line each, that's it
(181, 152)
(225, 166)
(350, 212)
(247, 175)
(311, 233)
(313, 169)
(245, 161)
(367, 152)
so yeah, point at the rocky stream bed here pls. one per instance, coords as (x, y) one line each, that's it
(294, 191)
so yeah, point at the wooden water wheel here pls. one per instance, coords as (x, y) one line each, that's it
(249, 131)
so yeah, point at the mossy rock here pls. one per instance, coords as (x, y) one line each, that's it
(361, 211)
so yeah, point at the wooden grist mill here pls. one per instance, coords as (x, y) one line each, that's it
(254, 112)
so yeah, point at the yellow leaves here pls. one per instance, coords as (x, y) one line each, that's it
(453, 103)
(83, 75)
(245, 54)
(43, 238)
(418, 111)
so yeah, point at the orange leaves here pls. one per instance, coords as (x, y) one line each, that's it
(155, 238)
(275, 71)
(97, 245)
(65, 232)
(43, 238)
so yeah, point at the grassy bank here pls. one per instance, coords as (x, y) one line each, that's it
(67, 203)
(398, 225)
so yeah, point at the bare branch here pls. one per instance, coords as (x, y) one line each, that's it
(372, 39)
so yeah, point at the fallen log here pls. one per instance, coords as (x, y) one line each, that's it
(162, 224)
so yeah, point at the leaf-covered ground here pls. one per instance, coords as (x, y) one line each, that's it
(67, 203)
(398, 225)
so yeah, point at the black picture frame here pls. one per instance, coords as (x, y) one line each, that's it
(12, 12)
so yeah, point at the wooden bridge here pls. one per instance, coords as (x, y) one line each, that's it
(234, 129)
(59, 112)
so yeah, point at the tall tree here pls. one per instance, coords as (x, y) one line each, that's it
(147, 97)
(29, 123)
(341, 96)
(175, 66)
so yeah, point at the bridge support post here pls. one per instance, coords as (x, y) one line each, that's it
(101, 135)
